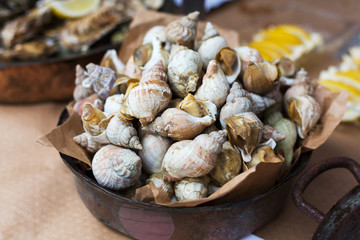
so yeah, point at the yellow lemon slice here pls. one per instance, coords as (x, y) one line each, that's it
(73, 8)
(267, 54)
(354, 95)
(278, 35)
(295, 30)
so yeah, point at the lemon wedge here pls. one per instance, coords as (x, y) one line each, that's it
(73, 8)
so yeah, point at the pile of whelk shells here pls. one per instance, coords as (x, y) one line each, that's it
(180, 109)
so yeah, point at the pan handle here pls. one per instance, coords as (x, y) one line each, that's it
(311, 174)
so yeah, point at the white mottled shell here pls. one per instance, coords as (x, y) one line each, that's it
(215, 87)
(91, 143)
(114, 103)
(179, 125)
(236, 106)
(153, 151)
(151, 96)
(101, 78)
(248, 55)
(183, 30)
(211, 43)
(120, 132)
(81, 92)
(116, 167)
(193, 158)
(191, 189)
(184, 72)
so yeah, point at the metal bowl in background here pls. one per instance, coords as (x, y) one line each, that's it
(150, 221)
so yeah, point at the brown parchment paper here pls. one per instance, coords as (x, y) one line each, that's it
(248, 184)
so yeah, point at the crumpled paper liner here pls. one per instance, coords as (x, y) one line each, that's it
(256, 180)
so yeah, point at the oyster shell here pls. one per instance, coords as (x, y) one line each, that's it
(152, 156)
(215, 87)
(80, 34)
(178, 124)
(193, 158)
(184, 72)
(228, 164)
(183, 30)
(191, 188)
(116, 167)
(151, 96)
(211, 44)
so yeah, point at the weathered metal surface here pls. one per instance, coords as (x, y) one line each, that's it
(343, 219)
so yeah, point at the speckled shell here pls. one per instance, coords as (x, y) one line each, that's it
(112, 61)
(81, 92)
(116, 167)
(215, 87)
(179, 125)
(101, 78)
(157, 181)
(158, 53)
(153, 151)
(93, 99)
(151, 96)
(120, 132)
(245, 131)
(211, 44)
(193, 158)
(247, 56)
(228, 164)
(191, 188)
(114, 103)
(183, 30)
(305, 111)
(184, 71)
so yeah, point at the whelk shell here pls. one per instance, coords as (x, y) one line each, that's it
(157, 181)
(131, 69)
(245, 131)
(183, 30)
(197, 107)
(229, 62)
(264, 154)
(184, 72)
(191, 188)
(228, 164)
(215, 87)
(112, 61)
(211, 44)
(248, 55)
(158, 53)
(236, 106)
(116, 167)
(102, 79)
(81, 92)
(156, 31)
(142, 54)
(305, 111)
(261, 78)
(193, 158)
(179, 125)
(94, 120)
(93, 99)
(153, 151)
(151, 96)
(114, 103)
(300, 87)
(286, 146)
